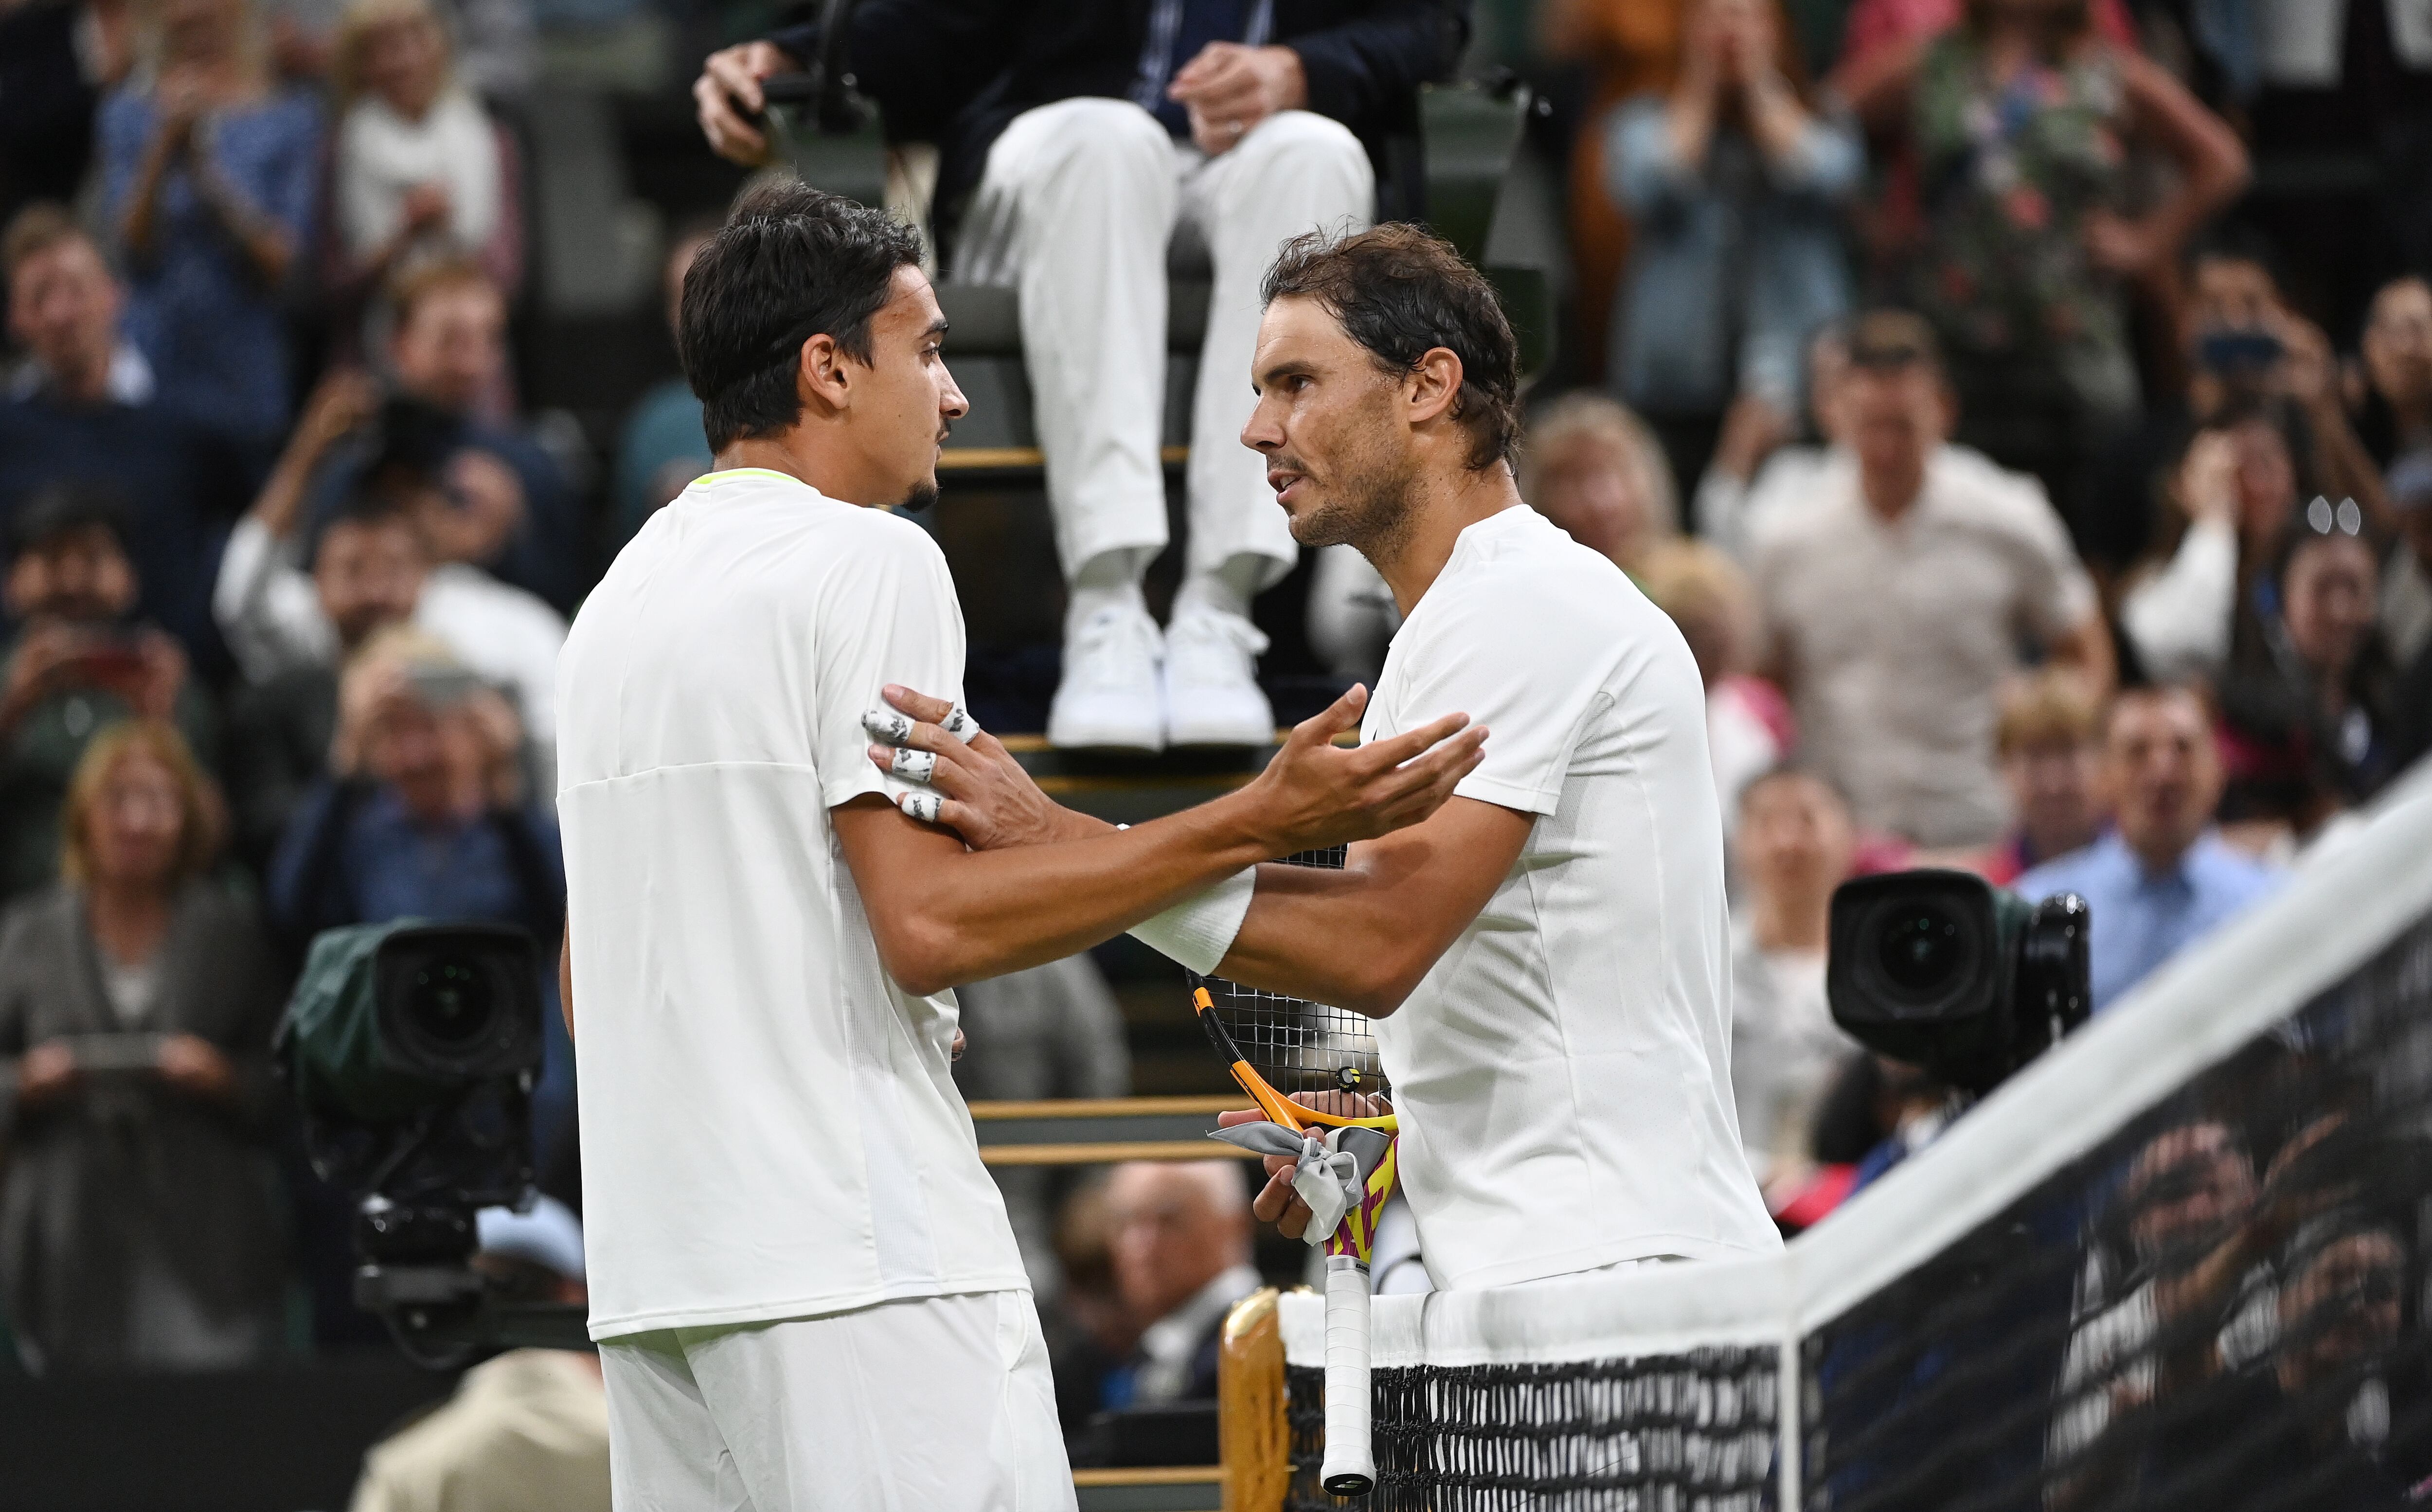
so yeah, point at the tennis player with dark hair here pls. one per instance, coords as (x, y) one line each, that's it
(1548, 956)
(803, 1282)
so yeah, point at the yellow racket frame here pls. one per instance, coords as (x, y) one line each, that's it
(1276, 1106)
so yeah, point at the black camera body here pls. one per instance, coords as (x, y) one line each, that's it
(1945, 972)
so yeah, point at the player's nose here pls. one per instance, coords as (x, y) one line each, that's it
(951, 404)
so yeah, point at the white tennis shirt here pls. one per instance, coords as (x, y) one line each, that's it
(1564, 1073)
(768, 1126)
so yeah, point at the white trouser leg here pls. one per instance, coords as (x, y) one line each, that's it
(1074, 211)
(1296, 171)
(930, 1405)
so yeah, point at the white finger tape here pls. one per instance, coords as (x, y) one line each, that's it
(913, 765)
(921, 806)
(887, 726)
(960, 724)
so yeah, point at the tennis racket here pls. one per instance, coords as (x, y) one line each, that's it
(1278, 1047)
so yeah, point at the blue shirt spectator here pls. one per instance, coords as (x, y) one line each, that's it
(2162, 879)
(210, 177)
(81, 414)
(1733, 184)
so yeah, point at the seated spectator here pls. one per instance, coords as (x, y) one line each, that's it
(1748, 728)
(136, 1092)
(1753, 470)
(1897, 600)
(2407, 576)
(514, 514)
(2324, 658)
(1089, 1331)
(1734, 183)
(523, 1430)
(2023, 120)
(1595, 469)
(84, 411)
(78, 663)
(1794, 845)
(2049, 742)
(419, 172)
(2162, 877)
(1074, 153)
(1181, 1249)
(1051, 1032)
(2395, 356)
(279, 618)
(2193, 613)
(662, 447)
(207, 178)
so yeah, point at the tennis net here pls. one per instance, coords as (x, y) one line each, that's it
(2180, 1262)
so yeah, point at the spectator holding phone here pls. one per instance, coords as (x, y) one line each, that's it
(137, 1226)
(79, 664)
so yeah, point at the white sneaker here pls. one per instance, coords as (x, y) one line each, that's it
(1211, 690)
(1108, 697)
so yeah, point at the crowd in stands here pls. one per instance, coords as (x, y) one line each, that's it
(2034, 497)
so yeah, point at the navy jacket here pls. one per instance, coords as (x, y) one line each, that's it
(957, 71)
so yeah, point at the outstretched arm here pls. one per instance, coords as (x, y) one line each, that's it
(943, 914)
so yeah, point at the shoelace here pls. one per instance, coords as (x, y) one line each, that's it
(1115, 648)
(1203, 649)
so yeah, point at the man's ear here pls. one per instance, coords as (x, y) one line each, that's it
(821, 376)
(1433, 387)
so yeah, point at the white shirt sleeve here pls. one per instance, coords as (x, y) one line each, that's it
(890, 615)
(1486, 654)
(267, 607)
(2179, 618)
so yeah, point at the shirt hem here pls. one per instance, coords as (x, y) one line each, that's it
(816, 1305)
(1588, 1257)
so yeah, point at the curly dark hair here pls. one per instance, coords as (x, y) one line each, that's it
(790, 262)
(1401, 292)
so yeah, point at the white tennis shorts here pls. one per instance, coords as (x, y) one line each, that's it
(931, 1404)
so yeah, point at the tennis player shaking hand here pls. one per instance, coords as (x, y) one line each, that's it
(1546, 956)
(803, 1282)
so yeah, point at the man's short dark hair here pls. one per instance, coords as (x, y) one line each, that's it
(36, 229)
(1401, 292)
(791, 264)
(58, 511)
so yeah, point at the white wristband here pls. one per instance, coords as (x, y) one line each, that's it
(1198, 931)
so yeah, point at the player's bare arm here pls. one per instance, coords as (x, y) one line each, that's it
(1360, 938)
(943, 914)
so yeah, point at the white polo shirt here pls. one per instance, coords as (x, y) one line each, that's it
(1564, 1073)
(768, 1126)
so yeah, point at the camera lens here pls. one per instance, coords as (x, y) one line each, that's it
(451, 1001)
(1921, 950)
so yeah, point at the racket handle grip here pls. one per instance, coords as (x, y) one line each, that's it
(1350, 1465)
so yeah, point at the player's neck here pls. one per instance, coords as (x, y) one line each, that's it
(1444, 507)
(813, 456)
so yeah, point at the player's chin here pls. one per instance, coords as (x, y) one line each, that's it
(920, 496)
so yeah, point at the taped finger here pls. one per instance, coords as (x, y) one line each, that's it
(887, 725)
(913, 765)
(921, 806)
(960, 724)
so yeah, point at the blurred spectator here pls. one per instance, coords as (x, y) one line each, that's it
(2162, 879)
(1876, 31)
(419, 171)
(1182, 1259)
(2247, 354)
(391, 548)
(136, 1091)
(208, 174)
(524, 1430)
(1089, 1332)
(1752, 470)
(2323, 659)
(2396, 358)
(423, 812)
(2049, 742)
(79, 664)
(83, 410)
(662, 447)
(1898, 601)
(1794, 844)
(1079, 148)
(2023, 118)
(2190, 616)
(514, 513)
(1733, 184)
(47, 95)
(1748, 728)
(2407, 608)
(1051, 1032)
(1595, 469)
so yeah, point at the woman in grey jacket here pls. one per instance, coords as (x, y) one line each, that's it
(139, 1220)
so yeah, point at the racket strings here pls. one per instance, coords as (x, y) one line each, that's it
(1297, 1045)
